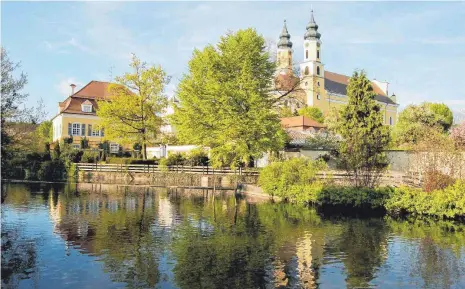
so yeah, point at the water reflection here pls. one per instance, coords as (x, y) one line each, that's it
(139, 237)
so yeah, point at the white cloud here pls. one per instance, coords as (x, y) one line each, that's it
(63, 87)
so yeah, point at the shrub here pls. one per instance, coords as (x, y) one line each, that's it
(448, 202)
(51, 170)
(175, 159)
(354, 197)
(294, 179)
(197, 157)
(116, 160)
(436, 180)
(84, 143)
(90, 156)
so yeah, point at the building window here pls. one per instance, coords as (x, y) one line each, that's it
(306, 54)
(318, 54)
(76, 146)
(95, 132)
(87, 108)
(318, 70)
(114, 148)
(318, 96)
(306, 70)
(76, 129)
(390, 120)
(318, 83)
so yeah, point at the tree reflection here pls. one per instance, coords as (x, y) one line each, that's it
(19, 257)
(364, 243)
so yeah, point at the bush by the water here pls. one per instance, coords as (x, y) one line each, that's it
(448, 202)
(295, 179)
(52, 170)
(354, 197)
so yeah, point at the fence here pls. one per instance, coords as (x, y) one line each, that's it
(391, 178)
(137, 168)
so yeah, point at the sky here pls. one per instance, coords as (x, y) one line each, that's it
(418, 47)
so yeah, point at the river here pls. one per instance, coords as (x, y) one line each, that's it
(108, 236)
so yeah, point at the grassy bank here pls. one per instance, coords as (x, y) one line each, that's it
(295, 180)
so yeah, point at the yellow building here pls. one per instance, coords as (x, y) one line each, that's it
(77, 116)
(316, 86)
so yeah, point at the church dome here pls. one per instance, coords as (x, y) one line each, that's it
(284, 38)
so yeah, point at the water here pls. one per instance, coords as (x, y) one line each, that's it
(103, 236)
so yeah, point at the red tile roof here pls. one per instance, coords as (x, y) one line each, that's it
(300, 121)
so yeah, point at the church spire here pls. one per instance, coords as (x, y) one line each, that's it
(284, 38)
(312, 29)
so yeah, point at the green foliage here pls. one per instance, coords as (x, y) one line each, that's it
(365, 137)
(44, 133)
(138, 99)
(294, 179)
(416, 123)
(285, 111)
(225, 102)
(90, 156)
(84, 143)
(448, 202)
(363, 198)
(443, 115)
(313, 113)
(116, 160)
(51, 170)
(197, 157)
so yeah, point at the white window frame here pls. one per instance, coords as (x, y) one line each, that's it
(114, 147)
(76, 129)
(76, 146)
(87, 108)
(95, 132)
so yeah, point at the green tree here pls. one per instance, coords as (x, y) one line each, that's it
(443, 114)
(44, 134)
(418, 122)
(313, 113)
(133, 115)
(364, 136)
(225, 100)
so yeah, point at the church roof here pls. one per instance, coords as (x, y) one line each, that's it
(337, 83)
(312, 29)
(284, 38)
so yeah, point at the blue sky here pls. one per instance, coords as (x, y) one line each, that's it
(419, 47)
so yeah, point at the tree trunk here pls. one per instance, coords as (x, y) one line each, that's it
(144, 151)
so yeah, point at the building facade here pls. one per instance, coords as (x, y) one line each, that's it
(77, 117)
(316, 86)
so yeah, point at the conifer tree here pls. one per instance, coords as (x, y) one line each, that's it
(224, 100)
(365, 137)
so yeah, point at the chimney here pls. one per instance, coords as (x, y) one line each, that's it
(73, 86)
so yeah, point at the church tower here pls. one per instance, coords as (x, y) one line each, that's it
(284, 52)
(311, 69)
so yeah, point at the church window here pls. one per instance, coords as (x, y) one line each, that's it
(318, 83)
(318, 70)
(306, 54)
(306, 70)
(318, 54)
(318, 96)
(390, 120)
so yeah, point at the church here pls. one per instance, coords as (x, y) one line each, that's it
(316, 86)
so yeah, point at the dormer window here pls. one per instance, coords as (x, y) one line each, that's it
(87, 107)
